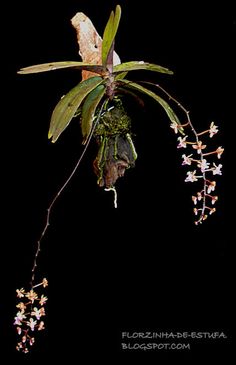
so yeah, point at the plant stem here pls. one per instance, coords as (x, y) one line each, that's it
(38, 247)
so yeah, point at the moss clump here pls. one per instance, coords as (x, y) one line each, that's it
(116, 151)
(114, 121)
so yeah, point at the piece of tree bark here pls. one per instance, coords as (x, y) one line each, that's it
(90, 43)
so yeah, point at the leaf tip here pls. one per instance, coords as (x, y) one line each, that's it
(118, 8)
(84, 141)
(54, 139)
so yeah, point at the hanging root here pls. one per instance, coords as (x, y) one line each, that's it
(115, 194)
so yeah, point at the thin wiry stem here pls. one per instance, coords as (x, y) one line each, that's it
(38, 248)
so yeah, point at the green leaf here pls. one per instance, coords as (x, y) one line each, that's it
(68, 105)
(51, 66)
(107, 38)
(88, 110)
(120, 75)
(140, 65)
(110, 33)
(169, 111)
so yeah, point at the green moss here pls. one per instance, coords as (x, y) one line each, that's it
(116, 151)
(114, 121)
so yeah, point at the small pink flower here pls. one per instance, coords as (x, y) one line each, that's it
(18, 330)
(42, 311)
(191, 177)
(43, 300)
(199, 196)
(187, 160)
(21, 306)
(174, 126)
(182, 142)
(19, 317)
(31, 323)
(219, 151)
(41, 326)
(213, 129)
(211, 187)
(217, 169)
(214, 199)
(20, 292)
(31, 295)
(195, 210)
(36, 313)
(19, 346)
(203, 164)
(199, 146)
(17, 321)
(45, 282)
(31, 341)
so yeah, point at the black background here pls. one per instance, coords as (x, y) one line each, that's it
(144, 266)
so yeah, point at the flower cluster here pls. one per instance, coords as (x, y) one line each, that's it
(28, 318)
(203, 169)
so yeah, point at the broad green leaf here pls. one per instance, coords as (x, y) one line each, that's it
(88, 110)
(140, 65)
(60, 65)
(110, 33)
(169, 111)
(68, 105)
(107, 38)
(120, 75)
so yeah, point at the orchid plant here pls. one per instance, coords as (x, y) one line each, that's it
(97, 101)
